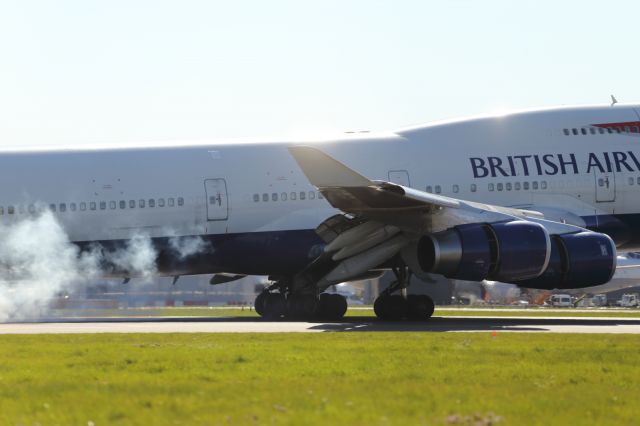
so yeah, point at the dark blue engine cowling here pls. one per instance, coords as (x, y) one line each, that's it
(583, 259)
(504, 251)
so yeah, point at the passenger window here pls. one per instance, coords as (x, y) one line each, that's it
(456, 188)
(265, 197)
(500, 187)
(161, 202)
(274, 197)
(293, 196)
(123, 204)
(72, 207)
(491, 187)
(600, 182)
(534, 185)
(631, 180)
(152, 202)
(584, 131)
(92, 205)
(543, 184)
(574, 131)
(103, 205)
(52, 207)
(566, 132)
(112, 205)
(10, 210)
(517, 186)
(83, 206)
(525, 186)
(508, 186)
(256, 198)
(141, 204)
(601, 130)
(474, 188)
(283, 196)
(438, 189)
(609, 130)
(302, 195)
(312, 195)
(429, 189)
(626, 129)
(132, 204)
(171, 202)
(180, 201)
(63, 208)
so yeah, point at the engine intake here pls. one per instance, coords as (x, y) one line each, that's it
(505, 251)
(583, 259)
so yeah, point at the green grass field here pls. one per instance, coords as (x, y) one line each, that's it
(354, 378)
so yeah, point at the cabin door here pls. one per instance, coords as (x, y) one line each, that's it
(217, 199)
(605, 186)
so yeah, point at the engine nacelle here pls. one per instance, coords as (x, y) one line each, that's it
(505, 251)
(583, 259)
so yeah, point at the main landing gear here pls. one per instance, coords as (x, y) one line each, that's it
(393, 307)
(278, 302)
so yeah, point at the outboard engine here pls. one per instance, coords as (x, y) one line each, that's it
(504, 251)
(583, 259)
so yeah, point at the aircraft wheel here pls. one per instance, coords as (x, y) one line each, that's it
(390, 308)
(275, 306)
(332, 307)
(258, 304)
(419, 307)
(302, 306)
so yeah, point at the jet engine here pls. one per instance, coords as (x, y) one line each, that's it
(583, 259)
(504, 251)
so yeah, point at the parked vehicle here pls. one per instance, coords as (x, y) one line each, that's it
(561, 301)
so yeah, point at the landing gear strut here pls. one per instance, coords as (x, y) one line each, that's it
(393, 307)
(279, 301)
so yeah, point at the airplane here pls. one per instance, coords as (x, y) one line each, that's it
(542, 198)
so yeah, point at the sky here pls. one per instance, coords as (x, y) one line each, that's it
(83, 71)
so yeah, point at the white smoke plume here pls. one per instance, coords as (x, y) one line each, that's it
(188, 246)
(38, 262)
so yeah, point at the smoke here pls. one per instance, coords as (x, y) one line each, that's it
(185, 247)
(38, 262)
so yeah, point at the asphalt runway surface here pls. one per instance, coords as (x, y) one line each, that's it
(351, 324)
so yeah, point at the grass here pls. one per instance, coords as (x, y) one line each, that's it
(359, 312)
(332, 378)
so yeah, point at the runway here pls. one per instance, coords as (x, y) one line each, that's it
(350, 324)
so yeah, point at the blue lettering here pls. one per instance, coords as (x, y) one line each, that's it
(478, 165)
(496, 164)
(594, 162)
(572, 162)
(621, 158)
(547, 158)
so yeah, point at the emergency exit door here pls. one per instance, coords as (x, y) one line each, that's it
(605, 186)
(217, 200)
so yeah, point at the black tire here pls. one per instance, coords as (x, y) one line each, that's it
(390, 308)
(275, 306)
(258, 304)
(419, 307)
(302, 306)
(332, 307)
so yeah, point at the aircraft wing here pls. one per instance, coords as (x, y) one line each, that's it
(382, 220)
(390, 203)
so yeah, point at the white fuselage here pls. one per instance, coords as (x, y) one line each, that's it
(525, 160)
